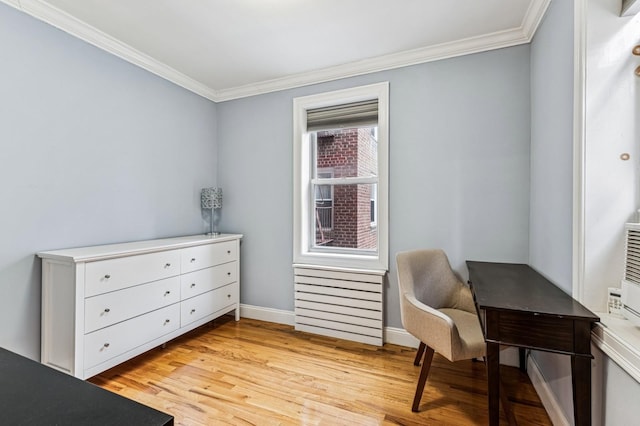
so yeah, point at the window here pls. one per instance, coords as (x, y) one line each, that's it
(374, 207)
(341, 178)
(323, 204)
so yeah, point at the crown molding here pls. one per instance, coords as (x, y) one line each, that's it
(397, 60)
(51, 15)
(533, 17)
(498, 40)
(43, 11)
(630, 7)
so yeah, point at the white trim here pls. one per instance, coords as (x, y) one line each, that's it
(579, 111)
(533, 17)
(42, 10)
(619, 339)
(341, 269)
(399, 336)
(547, 397)
(277, 316)
(630, 7)
(13, 3)
(487, 42)
(301, 175)
(392, 335)
(51, 15)
(355, 180)
(463, 47)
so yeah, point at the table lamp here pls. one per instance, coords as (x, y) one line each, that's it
(211, 199)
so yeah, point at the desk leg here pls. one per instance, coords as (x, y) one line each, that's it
(581, 382)
(493, 382)
(523, 359)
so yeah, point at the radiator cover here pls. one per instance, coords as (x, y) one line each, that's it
(341, 303)
(631, 280)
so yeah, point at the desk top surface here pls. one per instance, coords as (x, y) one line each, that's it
(34, 394)
(518, 287)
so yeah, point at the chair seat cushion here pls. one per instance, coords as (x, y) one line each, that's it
(471, 344)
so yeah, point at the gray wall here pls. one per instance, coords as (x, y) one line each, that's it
(94, 150)
(550, 248)
(459, 169)
(550, 240)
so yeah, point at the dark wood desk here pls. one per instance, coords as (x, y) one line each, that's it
(519, 307)
(34, 394)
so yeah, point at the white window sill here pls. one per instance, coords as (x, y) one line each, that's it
(341, 269)
(619, 339)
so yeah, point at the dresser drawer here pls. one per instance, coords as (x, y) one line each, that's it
(115, 274)
(110, 308)
(110, 342)
(200, 257)
(201, 281)
(207, 303)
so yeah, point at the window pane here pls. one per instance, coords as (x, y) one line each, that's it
(345, 220)
(347, 152)
(323, 192)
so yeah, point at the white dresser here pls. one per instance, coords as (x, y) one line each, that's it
(103, 305)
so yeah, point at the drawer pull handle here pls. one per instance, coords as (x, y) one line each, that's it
(229, 274)
(106, 345)
(107, 310)
(193, 311)
(107, 276)
(193, 259)
(193, 285)
(166, 293)
(167, 321)
(229, 296)
(167, 265)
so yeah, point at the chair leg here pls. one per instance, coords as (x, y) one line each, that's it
(419, 354)
(424, 372)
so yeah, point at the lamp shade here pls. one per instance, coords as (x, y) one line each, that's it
(211, 198)
(217, 198)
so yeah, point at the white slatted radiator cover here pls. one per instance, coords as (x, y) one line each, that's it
(632, 254)
(631, 281)
(338, 302)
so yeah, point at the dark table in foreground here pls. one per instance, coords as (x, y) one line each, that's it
(519, 307)
(34, 394)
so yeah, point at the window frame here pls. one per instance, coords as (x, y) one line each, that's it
(374, 206)
(329, 171)
(303, 253)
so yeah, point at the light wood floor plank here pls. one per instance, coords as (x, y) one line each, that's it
(258, 373)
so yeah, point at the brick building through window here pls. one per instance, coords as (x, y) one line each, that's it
(345, 213)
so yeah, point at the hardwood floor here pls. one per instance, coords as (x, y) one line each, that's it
(258, 373)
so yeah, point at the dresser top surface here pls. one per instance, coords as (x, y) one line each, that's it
(93, 253)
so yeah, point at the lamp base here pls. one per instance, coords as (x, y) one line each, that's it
(212, 234)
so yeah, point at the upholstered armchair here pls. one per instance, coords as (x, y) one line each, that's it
(438, 309)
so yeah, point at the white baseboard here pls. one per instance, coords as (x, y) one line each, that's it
(278, 316)
(548, 398)
(398, 336)
(395, 336)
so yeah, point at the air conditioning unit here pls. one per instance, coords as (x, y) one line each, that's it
(631, 280)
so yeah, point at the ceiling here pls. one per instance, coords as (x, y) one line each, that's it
(228, 49)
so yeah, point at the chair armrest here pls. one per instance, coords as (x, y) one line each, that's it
(428, 310)
(429, 325)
